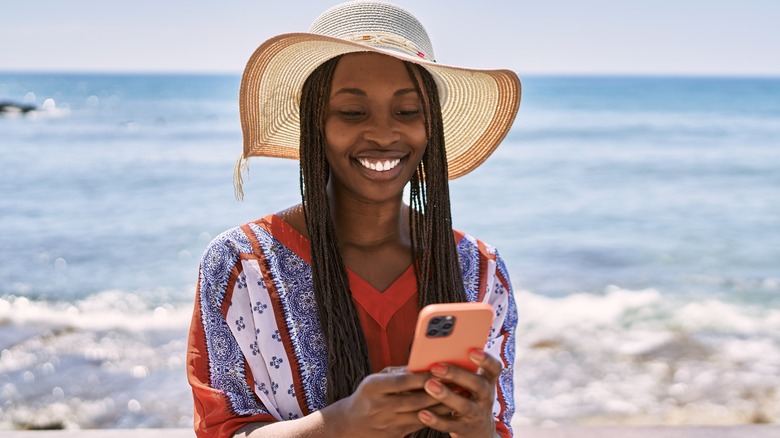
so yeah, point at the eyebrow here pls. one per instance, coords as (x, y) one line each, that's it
(359, 92)
(403, 91)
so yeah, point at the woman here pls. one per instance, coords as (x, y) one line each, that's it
(307, 315)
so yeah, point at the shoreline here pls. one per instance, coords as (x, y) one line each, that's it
(742, 431)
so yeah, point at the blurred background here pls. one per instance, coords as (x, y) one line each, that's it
(635, 200)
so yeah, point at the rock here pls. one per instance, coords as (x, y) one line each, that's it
(7, 107)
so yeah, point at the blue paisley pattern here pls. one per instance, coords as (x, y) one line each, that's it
(505, 380)
(226, 362)
(294, 284)
(468, 254)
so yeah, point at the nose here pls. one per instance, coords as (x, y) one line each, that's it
(381, 130)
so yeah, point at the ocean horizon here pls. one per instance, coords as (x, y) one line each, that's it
(639, 218)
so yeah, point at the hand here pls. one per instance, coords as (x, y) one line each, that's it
(385, 404)
(471, 416)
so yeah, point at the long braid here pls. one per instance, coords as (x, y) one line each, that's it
(439, 277)
(348, 361)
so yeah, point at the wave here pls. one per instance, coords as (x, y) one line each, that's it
(642, 357)
(620, 356)
(107, 310)
(110, 360)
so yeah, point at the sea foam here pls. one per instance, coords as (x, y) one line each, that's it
(641, 357)
(622, 356)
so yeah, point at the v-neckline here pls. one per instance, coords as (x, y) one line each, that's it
(381, 305)
(301, 246)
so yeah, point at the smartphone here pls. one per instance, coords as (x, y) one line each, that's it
(447, 333)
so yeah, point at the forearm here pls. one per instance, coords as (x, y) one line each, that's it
(316, 424)
(308, 426)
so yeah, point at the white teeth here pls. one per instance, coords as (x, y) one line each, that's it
(379, 166)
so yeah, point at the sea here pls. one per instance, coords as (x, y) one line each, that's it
(639, 218)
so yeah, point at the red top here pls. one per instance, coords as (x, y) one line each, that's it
(387, 317)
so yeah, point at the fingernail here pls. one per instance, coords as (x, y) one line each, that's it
(477, 355)
(425, 416)
(439, 370)
(434, 387)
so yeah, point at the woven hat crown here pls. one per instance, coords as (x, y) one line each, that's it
(377, 24)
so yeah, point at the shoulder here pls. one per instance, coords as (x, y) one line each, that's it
(230, 242)
(468, 245)
(480, 256)
(226, 249)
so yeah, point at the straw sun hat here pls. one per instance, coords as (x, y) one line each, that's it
(478, 106)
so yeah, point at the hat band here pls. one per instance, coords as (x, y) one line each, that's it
(388, 41)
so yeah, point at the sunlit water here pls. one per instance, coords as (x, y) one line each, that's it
(639, 218)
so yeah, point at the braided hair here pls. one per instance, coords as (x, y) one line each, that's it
(434, 255)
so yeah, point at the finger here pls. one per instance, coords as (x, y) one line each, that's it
(449, 398)
(413, 402)
(392, 383)
(455, 425)
(441, 410)
(438, 422)
(476, 386)
(489, 366)
(408, 422)
(393, 370)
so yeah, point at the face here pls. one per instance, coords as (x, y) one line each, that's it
(374, 128)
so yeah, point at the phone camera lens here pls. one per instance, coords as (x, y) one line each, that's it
(433, 332)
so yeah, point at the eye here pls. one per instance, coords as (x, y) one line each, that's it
(351, 114)
(408, 112)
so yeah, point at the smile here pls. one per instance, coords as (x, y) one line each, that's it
(379, 165)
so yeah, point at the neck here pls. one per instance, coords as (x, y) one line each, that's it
(366, 225)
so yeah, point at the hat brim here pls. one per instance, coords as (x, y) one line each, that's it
(478, 106)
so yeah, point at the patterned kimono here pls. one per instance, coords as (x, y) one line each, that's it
(256, 350)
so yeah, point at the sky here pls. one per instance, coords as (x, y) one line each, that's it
(655, 37)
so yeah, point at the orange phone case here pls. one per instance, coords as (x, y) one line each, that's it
(470, 330)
